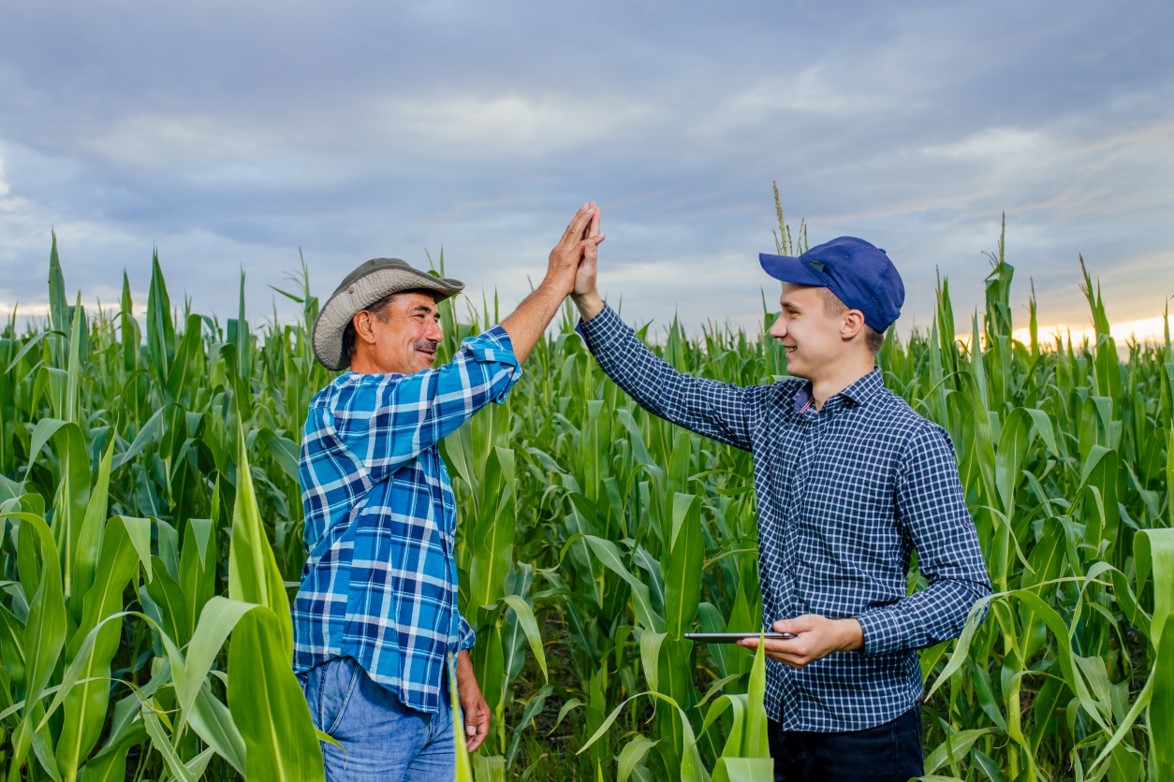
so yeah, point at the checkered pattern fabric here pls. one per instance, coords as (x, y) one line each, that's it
(845, 495)
(380, 583)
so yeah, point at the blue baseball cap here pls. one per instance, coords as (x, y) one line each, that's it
(861, 275)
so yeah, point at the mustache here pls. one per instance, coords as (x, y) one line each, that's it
(425, 344)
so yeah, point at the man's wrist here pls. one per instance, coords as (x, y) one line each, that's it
(555, 287)
(590, 304)
(852, 635)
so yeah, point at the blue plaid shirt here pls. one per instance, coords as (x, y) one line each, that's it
(380, 584)
(845, 495)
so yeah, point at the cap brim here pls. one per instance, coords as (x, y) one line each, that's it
(346, 301)
(789, 269)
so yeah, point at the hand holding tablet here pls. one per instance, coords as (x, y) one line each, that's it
(733, 638)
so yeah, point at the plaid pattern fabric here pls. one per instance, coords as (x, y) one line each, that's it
(845, 495)
(380, 583)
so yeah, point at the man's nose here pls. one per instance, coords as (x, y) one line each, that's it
(778, 329)
(435, 333)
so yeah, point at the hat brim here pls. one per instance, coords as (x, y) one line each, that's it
(362, 293)
(789, 269)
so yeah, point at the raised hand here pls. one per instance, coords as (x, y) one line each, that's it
(567, 255)
(586, 293)
(526, 324)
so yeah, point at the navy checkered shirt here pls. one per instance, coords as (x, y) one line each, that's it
(845, 495)
(380, 583)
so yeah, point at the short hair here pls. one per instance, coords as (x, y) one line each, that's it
(376, 308)
(832, 306)
(874, 340)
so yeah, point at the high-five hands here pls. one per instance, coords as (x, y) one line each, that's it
(526, 324)
(586, 293)
(582, 235)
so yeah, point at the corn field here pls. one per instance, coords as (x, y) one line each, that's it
(150, 537)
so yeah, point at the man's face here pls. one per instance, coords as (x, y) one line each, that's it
(406, 334)
(811, 337)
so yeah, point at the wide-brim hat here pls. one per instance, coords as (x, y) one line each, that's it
(367, 284)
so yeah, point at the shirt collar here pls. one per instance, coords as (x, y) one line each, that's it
(859, 393)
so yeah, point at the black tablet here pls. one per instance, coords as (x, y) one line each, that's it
(730, 638)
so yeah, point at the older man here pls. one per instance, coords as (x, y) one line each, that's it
(850, 481)
(376, 620)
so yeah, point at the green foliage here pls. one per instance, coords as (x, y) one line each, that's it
(125, 461)
(150, 532)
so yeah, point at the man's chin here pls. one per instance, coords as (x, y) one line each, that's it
(796, 369)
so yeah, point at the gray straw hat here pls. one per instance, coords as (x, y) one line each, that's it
(367, 284)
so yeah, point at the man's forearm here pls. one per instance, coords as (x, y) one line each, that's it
(708, 407)
(936, 613)
(526, 324)
(464, 665)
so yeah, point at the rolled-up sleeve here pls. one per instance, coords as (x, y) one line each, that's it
(386, 420)
(468, 637)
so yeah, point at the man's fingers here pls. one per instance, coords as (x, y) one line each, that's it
(592, 242)
(799, 624)
(478, 730)
(579, 222)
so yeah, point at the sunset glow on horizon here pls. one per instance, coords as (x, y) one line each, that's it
(1143, 331)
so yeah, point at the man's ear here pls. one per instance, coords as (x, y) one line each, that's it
(852, 325)
(364, 329)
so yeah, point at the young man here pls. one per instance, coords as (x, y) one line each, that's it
(849, 482)
(375, 620)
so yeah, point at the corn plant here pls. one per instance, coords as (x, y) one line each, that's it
(151, 529)
(130, 648)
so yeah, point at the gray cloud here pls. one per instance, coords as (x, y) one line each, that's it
(232, 134)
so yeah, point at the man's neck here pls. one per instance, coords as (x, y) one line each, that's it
(363, 365)
(839, 377)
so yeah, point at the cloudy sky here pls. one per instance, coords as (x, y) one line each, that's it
(232, 135)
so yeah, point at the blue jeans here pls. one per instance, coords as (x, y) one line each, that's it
(887, 753)
(381, 738)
